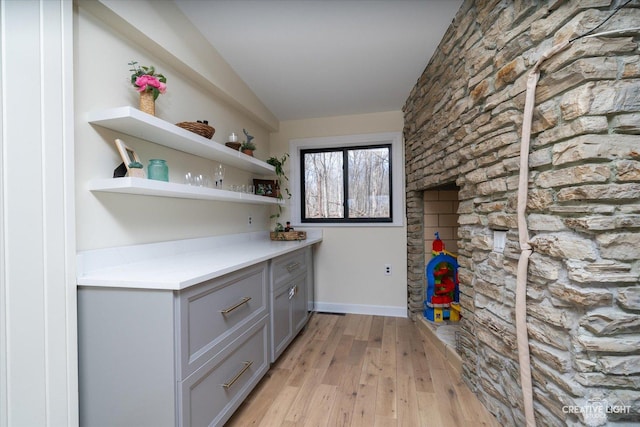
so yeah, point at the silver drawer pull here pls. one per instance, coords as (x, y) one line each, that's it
(233, 307)
(293, 266)
(246, 366)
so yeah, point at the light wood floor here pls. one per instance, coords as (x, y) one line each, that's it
(358, 370)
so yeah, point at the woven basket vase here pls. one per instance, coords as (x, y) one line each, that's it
(147, 103)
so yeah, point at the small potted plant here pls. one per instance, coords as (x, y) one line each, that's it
(247, 146)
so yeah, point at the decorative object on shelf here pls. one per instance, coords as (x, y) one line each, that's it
(158, 170)
(218, 176)
(288, 235)
(120, 171)
(147, 103)
(149, 83)
(197, 180)
(242, 188)
(265, 187)
(247, 150)
(130, 159)
(248, 146)
(233, 142)
(188, 178)
(200, 127)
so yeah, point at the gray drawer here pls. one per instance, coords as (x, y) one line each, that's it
(213, 313)
(212, 393)
(287, 267)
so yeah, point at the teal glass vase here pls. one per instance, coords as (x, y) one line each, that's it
(158, 170)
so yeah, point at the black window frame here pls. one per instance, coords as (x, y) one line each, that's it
(345, 177)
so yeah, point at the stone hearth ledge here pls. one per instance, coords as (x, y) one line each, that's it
(446, 350)
(178, 264)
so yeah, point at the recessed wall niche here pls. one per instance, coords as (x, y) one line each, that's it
(441, 216)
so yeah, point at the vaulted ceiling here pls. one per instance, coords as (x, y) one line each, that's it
(319, 58)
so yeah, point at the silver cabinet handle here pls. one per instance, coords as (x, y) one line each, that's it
(233, 307)
(246, 366)
(293, 266)
(293, 291)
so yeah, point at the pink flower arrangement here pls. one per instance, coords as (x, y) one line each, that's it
(145, 79)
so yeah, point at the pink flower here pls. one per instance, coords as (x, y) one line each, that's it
(141, 82)
(146, 82)
(153, 82)
(145, 79)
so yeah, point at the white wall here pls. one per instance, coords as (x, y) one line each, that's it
(350, 260)
(108, 36)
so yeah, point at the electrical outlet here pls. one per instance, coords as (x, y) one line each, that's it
(387, 269)
(250, 221)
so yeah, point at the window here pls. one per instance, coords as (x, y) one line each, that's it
(346, 184)
(353, 180)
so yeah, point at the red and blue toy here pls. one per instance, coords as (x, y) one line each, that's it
(442, 285)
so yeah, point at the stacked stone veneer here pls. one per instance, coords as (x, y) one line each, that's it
(462, 125)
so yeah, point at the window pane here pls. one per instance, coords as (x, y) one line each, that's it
(323, 185)
(369, 192)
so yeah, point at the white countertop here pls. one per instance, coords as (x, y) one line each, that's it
(179, 264)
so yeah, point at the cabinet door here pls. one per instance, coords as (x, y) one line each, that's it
(299, 305)
(126, 357)
(280, 321)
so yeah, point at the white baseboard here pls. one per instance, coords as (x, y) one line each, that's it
(376, 310)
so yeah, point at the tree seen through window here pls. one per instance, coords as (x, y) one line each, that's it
(361, 176)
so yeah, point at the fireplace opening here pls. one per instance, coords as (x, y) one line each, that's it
(441, 216)
(441, 221)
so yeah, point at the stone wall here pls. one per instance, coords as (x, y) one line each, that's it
(462, 125)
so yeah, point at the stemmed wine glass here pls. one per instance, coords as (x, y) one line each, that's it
(218, 175)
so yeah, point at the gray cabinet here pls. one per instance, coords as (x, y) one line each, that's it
(164, 358)
(289, 281)
(151, 357)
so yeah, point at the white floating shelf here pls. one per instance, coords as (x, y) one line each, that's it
(134, 122)
(150, 187)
